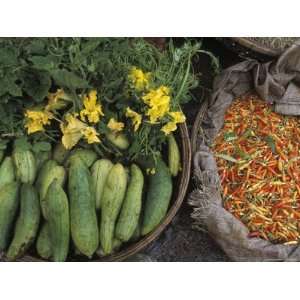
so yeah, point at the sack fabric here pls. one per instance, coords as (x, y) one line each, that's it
(276, 82)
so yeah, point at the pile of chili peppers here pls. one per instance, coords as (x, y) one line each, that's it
(258, 158)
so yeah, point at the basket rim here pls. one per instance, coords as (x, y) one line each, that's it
(136, 247)
(256, 47)
(197, 125)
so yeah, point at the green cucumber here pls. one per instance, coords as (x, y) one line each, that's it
(100, 171)
(173, 155)
(7, 171)
(9, 203)
(158, 197)
(43, 244)
(113, 196)
(132, 205)
(57, 211)
(84, 225)
(27, 223)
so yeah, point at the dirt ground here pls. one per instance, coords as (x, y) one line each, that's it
(180, 242)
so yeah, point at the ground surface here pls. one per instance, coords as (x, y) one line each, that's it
(180, 242)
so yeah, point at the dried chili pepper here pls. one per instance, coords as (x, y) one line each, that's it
(261, 182)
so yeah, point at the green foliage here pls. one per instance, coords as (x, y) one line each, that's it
(30, 68)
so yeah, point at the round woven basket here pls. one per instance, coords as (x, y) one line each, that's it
(180, 185)
(196, 136)
(249, 48)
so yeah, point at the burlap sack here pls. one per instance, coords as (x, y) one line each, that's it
(276, 82)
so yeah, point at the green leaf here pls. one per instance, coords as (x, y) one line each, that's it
(46, 63)
(8, 85)
(41, 147)
(8, 57)
(36, 46)
(271, 143)
(36, 84)
(90, 45)
(227, 157)
(66, 79)
(229, 136)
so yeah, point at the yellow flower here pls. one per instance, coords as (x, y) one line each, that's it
(91, 110)
(159, 102)
(139, 79)
(178, 117)
(169, 127)
(57, 100)
(91, 135)
(72, 131)
(114, 125)
(136, 118)
(36, 120)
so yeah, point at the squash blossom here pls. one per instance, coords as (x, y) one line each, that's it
(159, 102)
(36, 120)
(91, 110)
(91, 135)
(136, 118)
(72, 131)
(114, 125)
(177, 117)
(139, 79)
(57, 100)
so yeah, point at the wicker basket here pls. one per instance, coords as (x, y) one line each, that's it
(249, 48)
(180, 188)
(196, 136)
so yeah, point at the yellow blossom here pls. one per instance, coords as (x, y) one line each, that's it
(177, 117)
(169, 127)
(72, 131)
(91, 135)
(159, 102)
(139, 79)
(36, 120)
(136, 118)
(91, 110)
(57, 100)
(114, 125)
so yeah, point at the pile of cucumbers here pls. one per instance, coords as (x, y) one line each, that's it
(77, 203)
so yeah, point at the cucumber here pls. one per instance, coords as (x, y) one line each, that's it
(53, 173)
(132, 205)
(120, 140)
(25, 165)
(84, 225)
(158, 197)
(116, 245)
(27, 223)
(173, 155)
(43, 244)
(57, 210)
(87, 155)
(7, 171)
(9, 203)
(44, 171)
(41, 158)
(137, 232)
(113, 195)
(60, 153)
(100, 171)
